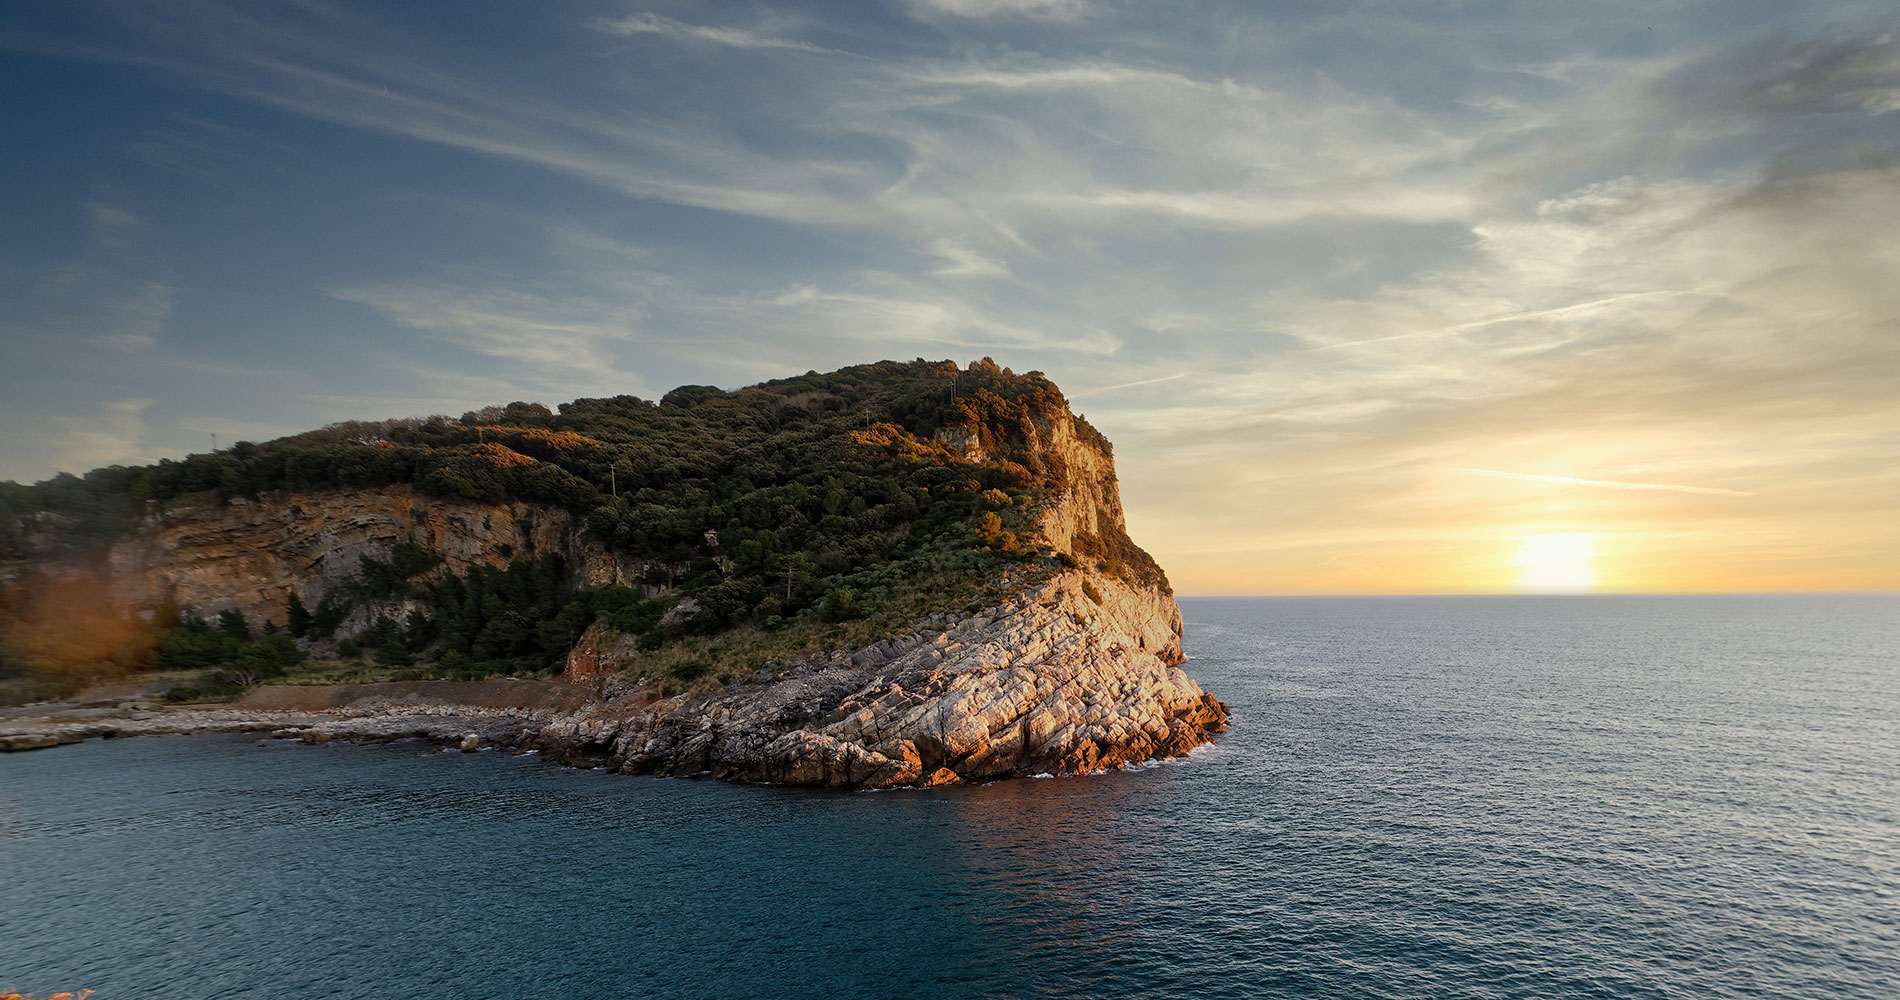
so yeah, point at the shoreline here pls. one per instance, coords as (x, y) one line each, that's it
(1076, 673)
(567, 724)
(367, 720)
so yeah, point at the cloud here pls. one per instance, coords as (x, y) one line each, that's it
(1782, 77)
(963, 262)
(517, 326)
(1053, 75)
(112, 435)
(615, 309)
(738, 38)
(979, 10)
(1613, 484)
(134, 322)
(113, 225)
(886, 155)
(1127, 385)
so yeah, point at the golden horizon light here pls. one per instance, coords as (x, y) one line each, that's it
(1557, 563)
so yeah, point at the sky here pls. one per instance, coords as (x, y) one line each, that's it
(1372, 298)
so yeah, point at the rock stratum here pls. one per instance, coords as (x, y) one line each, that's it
(1072, 663)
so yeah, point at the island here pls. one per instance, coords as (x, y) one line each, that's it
(895, 574)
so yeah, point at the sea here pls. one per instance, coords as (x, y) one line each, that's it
(1462, 797)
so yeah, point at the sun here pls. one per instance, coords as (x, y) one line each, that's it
(1557, 563)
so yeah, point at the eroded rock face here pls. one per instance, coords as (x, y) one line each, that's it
(253, 554)
(1049, 681)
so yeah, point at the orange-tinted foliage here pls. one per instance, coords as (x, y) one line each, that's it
(501, 456)
(528, 438)
(897, 442)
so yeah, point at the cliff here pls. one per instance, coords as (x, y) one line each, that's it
(1054, 647)
(1076, 672)
(252, 554)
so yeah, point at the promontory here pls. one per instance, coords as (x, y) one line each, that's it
(903, 573)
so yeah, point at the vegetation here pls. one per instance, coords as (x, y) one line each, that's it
(228, 656)
(768, 519)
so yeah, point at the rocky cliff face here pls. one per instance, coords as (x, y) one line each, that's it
(1078, 672)
(253, 554)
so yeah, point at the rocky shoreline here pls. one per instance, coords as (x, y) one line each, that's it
(1075, 674)
(497, 712)
(62, 725)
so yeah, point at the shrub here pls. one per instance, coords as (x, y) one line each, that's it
(839, 605)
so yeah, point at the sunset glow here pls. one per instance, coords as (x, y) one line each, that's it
(1559, 563)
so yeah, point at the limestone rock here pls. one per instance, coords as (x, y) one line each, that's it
(1028, 687)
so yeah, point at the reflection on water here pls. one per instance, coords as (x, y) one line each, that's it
(1538, 797)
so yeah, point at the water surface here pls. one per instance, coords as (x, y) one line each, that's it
(1470, 797)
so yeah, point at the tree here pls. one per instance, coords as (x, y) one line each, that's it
(231, 622)
(329, 615)
(280, 650)
(298, 617)
(394, 654)
(794, 565)
(839, 604)
(419, 630)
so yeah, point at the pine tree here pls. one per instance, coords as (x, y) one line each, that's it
(298, 617)
(231, 622)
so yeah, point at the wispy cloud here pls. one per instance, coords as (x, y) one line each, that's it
(134, 322)
(1052, 10)
(1613, 484)
(1127, 385)
(113, 225)
(113, 434)
(738, 38)
(509, 324)
(960, 261)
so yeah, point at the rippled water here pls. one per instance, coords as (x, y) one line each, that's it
(1482, 797)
